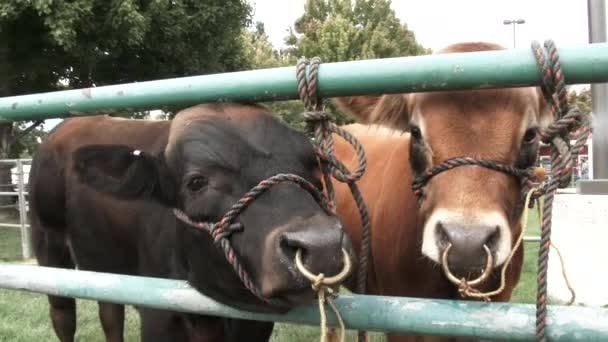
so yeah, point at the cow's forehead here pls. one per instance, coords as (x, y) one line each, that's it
(485, 123)
(253, 139)
(489, 108)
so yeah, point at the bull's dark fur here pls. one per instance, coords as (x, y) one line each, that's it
(97, 205)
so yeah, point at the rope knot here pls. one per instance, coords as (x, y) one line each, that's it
(313, 117)
(465, 289)
(317, 282)
(321, 125)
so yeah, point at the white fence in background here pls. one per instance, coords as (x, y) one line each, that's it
(17, 189)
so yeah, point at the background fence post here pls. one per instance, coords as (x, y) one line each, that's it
(26, 246)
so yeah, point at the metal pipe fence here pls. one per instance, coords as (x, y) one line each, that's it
(18, 183)
(471, 70)
(476, 70)
(513, 322)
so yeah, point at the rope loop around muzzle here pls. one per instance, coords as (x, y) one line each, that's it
(569, 124)
(526, 177)
(221, 230)
(321, 125)
(322, 285)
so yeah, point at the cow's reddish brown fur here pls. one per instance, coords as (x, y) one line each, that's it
(493, 123)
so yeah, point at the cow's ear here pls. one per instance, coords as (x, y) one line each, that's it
(360, 107)
(389, 110)
(124, 172)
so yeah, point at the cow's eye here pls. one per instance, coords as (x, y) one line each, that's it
(415, 132)
(530, 135)
(196, 183)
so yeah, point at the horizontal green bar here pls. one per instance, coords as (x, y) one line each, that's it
(473, 70)
(514, 322)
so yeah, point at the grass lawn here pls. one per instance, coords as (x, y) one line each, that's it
(10, 244)
(24, 316)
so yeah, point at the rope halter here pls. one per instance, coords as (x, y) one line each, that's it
(321, 125)
(323, 286)
(566, 121)
(466, 286)
(221, 230)
(527, 177)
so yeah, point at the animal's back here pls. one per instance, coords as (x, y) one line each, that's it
(51, 164)
(385, 187)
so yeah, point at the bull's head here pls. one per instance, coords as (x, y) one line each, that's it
(214, 155)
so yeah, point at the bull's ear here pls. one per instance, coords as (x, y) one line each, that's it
(389, 110)
(121, 171)
(360, 107)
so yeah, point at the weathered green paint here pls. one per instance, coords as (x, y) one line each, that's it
(514, 322)
(489, 69)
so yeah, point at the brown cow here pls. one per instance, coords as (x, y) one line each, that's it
(103, 192)
(468, 207)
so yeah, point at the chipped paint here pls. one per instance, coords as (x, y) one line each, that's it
(376, 313)
(503, 68)
(87, 93)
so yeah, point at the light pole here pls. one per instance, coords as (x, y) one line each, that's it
(514, 23)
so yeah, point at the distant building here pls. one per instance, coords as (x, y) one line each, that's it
(582, 164)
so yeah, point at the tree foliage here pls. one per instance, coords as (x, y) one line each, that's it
(342, 30)
(259, 51)
(99, 42)
(53, 44)
(25, 145)
(581, 99)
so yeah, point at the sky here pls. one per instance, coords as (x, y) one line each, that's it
(438, 23)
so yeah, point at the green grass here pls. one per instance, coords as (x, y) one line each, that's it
(525, 292)
(24, 316)
(10, 244)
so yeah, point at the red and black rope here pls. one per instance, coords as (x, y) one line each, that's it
(222, 230)
(562, 158)
(557, 135)
(322, 126)
(526, 176)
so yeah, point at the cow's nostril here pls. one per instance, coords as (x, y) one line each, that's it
(493, 238)
(320, 249)
(467, 243)
(442, 236)
(289, 246)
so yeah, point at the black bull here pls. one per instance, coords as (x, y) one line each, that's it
(99, 204)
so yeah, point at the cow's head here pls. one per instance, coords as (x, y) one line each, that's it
(468, 207)
(215, 154)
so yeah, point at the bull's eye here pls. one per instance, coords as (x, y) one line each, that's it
(415, 132)
(196, 183)
(530, 135)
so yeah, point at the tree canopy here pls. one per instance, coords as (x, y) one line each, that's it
(342, 30)
(581, 99)
(54, 44)
(98, 42)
